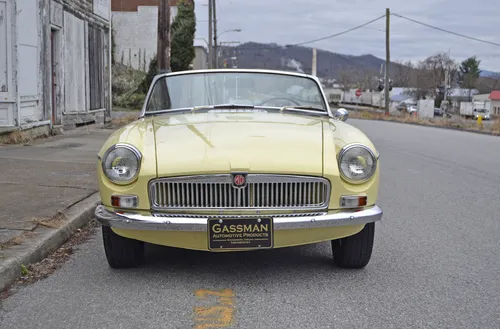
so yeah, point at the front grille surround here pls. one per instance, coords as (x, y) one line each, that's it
(245, 216)
(262, 192)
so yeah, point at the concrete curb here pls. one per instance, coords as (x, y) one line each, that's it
(45, 240)
(433, 126)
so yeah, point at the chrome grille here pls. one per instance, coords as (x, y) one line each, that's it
(261, 192)
(303, 214)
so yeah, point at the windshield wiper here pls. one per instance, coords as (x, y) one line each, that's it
(222, 106)
(310, 108)
(182, 109)
(233, 106)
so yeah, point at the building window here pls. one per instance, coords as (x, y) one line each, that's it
(4, 47)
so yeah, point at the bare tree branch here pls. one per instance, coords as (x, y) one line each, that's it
(402, 73)
(346, 79)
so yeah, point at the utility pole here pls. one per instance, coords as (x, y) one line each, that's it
(163, 43)
(216, 52)
(387, 59)
(445, 98)
(210, 36)
(314, 62)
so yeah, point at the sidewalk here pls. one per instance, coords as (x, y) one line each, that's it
(47, 190)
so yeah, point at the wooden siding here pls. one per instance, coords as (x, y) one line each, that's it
(96, 68)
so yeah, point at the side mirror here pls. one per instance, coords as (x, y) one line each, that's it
(341, 114)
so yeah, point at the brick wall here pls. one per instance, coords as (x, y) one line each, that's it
(131, 5)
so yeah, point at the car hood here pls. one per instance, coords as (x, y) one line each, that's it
(198, 143)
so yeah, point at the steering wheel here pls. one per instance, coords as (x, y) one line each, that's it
(278, 98)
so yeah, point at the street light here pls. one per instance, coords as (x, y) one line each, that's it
(215, 45)
(232, 30)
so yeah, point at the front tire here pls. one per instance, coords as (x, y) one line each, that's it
(354, 251)
(121, 252)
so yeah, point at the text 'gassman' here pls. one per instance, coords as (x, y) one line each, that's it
(240, 228)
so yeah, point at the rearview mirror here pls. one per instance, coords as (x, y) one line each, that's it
(341, 114)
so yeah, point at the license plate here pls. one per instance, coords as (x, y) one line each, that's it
(240, 233)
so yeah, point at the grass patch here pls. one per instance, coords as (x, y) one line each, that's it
(132, 101)
(126, 87)
(15, 137)
(24, 136)
(124, 120)
(456, 123)
(495, 127)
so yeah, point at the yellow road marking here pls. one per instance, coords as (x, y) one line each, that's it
(221, 315)
(204, 293)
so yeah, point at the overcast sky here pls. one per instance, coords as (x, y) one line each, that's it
(294, 21)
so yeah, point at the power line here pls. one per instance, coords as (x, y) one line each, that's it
(341, 33)
(320, 39)
(447, 31)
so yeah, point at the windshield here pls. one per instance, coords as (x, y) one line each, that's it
(213, 88)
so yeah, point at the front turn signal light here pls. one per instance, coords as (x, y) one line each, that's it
(124, 201)
(353, 201)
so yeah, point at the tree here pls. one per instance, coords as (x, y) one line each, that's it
(421, 81)
(365, 79)
(469, 73)
(486, 85)
(148, 79)
(345, 79)
(183, 31)
(428, 76)
(113, 45)
(438, 65)
(402, 73)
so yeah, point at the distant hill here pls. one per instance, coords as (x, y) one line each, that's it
(297, 58)
(489, 74)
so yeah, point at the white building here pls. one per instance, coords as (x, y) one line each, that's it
(200, 61)
(54, 62)
(135, 28)
(495, 103)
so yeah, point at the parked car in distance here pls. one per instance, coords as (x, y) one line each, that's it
(200, 171)
(402, 107)
(412, 109)
(481, 113)
(405, 107)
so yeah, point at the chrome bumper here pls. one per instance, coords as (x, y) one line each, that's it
(133, 221)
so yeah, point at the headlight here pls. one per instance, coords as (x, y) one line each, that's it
(357, 163)
(121, 163)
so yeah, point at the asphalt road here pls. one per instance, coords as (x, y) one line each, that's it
(436, 262)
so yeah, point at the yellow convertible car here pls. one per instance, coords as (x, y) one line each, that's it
(235, 160)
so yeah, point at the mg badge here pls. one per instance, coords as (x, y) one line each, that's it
(239, 180)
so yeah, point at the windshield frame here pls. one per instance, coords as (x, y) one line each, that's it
(216, 71)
